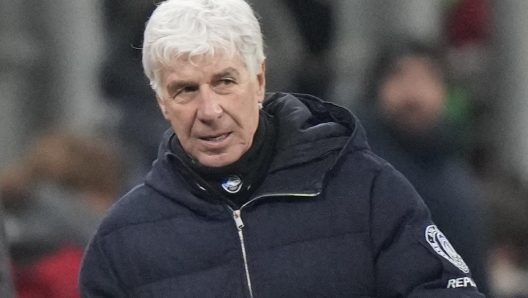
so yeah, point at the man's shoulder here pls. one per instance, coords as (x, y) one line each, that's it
(364, 158)
(140, 205)
(373, 172)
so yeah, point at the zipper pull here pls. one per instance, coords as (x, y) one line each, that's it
(238, 219)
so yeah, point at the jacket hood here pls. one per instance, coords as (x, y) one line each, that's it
(308, 130)
(310, 127)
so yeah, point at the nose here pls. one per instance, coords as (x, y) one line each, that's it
(209, 109)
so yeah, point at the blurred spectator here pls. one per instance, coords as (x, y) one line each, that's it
(283, 42)
(6, 281)
(124, 84)
(507, 216)
(316, 24)
(54, 197)
(467, 36)
(406, 122)
(298, 36)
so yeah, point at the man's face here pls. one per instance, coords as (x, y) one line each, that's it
(213, 106)
(413, 96)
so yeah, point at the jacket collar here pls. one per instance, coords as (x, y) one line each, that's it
(313, 136)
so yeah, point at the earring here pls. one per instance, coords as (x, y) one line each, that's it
(260, 105)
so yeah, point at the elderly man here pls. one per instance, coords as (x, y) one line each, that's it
(259, 195)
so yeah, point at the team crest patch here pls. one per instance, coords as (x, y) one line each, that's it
(441, 245)
(233, 184)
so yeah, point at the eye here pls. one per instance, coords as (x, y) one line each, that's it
(224, 85)
(226, 82)
(185, 90)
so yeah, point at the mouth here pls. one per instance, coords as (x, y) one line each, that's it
(215, 138)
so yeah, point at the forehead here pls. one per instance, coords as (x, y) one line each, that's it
(418, 64)
(204, 66)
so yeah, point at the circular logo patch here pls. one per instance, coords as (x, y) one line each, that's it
(441, 245)
(233, 184)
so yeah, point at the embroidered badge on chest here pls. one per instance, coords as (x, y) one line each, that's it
(441, 245)
(233, 184)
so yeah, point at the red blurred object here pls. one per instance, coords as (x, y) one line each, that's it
(468, 21)
(54, 276)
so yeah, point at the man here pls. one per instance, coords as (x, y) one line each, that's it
(256, 195)
(405, 116)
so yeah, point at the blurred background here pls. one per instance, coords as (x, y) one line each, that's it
(79, 124)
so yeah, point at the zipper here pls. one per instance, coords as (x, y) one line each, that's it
(301, 195)
(240, 225)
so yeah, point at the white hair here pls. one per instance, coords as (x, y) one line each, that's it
(197, 28)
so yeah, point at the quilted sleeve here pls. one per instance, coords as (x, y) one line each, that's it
(412, 256)
(97, 278)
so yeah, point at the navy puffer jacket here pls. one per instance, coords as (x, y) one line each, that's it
(331, 219)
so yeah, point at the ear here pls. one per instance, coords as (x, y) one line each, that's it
(161, 104)
(261, 81)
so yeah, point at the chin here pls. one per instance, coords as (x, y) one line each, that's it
(217, 161)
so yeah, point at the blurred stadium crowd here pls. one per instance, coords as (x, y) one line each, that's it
(426, 79)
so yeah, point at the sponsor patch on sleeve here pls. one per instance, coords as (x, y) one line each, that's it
(461, 282)
(441, 246)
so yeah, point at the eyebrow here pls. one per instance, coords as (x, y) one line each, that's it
(230, 71)
(174, 86)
